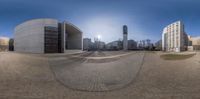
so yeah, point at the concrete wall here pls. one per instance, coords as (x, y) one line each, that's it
(29, 36)
(74, 37)
(75, 41)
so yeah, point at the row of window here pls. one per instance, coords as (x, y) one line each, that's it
(51, 40)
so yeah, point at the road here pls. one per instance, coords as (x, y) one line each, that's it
(29, 76)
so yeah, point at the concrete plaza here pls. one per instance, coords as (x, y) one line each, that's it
(127, 75)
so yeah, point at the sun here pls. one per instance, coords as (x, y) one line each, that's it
(99, 36)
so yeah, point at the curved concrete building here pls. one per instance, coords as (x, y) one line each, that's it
(46, 36)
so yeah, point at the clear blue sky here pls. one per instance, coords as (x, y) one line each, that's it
(145, 18)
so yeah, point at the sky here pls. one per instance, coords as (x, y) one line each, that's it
(145, 18)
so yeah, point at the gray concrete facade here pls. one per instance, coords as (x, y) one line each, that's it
(30, 36)
(73, 37)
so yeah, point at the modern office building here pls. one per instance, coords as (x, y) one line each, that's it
(47, 36)
(125, 37)
(174, 38)
(4, 43)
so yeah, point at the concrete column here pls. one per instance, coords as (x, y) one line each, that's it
(63, 39)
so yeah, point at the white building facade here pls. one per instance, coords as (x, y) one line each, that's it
(174, 38)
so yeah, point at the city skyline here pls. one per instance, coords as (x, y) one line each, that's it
(106, 18)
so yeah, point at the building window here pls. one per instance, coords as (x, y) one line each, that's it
(51, 40)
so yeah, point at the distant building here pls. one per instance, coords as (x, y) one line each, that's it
(194, 43)
(125, 37)
(140, 45)
(132, 45)
(174, 37)
(47, 36)
(87, 44)
(144, 45)
(148, 43)
(158, 45)
(101, 45)
(115, 45)
(98, 45)
(4, 44)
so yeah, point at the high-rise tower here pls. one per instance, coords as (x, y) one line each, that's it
(125, 37)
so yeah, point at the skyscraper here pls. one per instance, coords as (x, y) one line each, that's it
(125, 37)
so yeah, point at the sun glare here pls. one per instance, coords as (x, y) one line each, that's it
(99, 36)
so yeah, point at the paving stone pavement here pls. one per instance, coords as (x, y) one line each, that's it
(97, 76)
(28, 76)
